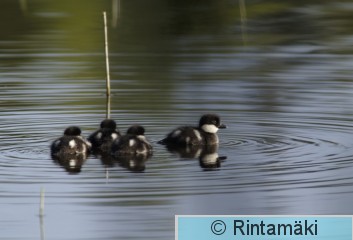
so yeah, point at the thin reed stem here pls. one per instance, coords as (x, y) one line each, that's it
(106, 52)
(243, 20)
(107, 115)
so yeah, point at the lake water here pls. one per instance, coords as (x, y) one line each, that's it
(279, 73)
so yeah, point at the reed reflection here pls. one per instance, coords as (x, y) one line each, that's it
(105, 157)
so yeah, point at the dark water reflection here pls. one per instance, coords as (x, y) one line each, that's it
(207, 155)
(278, 73)
(72, 163)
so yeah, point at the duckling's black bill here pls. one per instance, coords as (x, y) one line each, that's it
(222, 126)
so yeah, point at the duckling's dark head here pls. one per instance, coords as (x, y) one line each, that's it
(72, 131)
(136, 130)
(210, 123)
(108, 123)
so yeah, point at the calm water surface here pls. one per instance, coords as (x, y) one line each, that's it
(279, 75)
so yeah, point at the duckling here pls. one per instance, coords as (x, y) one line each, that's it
(204, 134)
(71, 143)
(134, 142)
(103, 138)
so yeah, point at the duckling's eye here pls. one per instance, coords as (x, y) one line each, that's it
(214, 122)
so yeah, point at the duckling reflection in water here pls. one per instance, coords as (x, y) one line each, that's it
(207, 155)
(133, 162)
(72, 163)
(71, 143)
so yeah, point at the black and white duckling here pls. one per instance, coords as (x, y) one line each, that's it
(71, 143)
(134, 142)
(204, 134)
(103, 138)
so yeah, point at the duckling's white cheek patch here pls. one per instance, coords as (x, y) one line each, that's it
(131, 142)
(209, 128)
(114, 136)
(141, 137)
(72, 144)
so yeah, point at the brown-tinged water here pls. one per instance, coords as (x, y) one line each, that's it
(279, 73)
